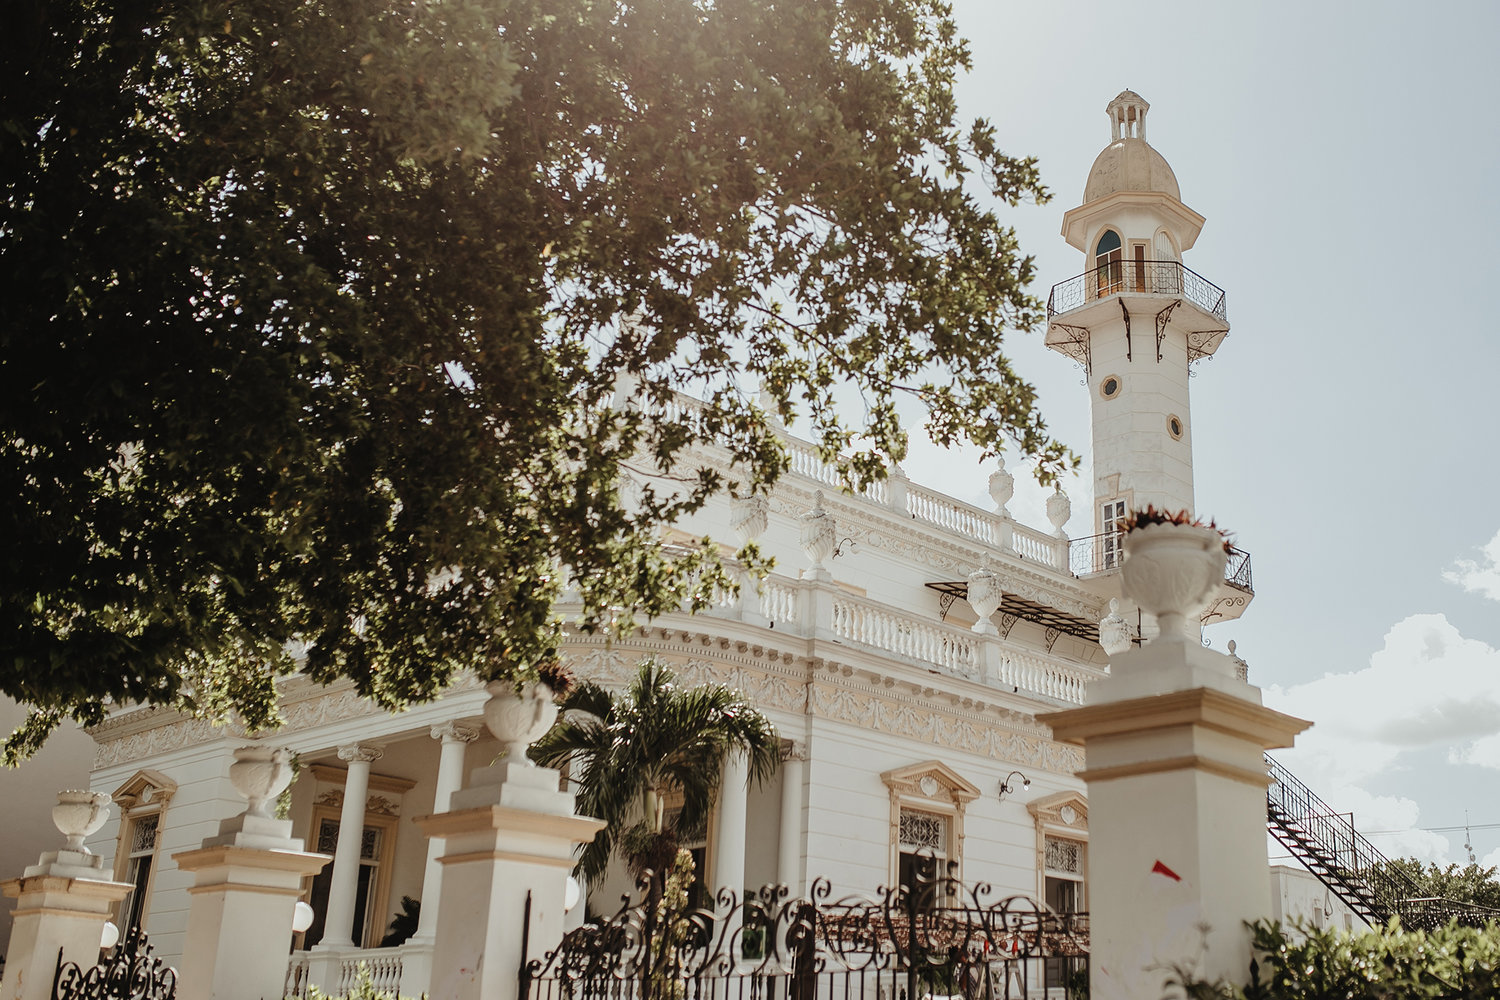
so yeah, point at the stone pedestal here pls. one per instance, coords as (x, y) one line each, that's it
(61, 904)
(245, 889)
(509, 837)
(1177, 816)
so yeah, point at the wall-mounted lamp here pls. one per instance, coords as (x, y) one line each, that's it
(1006, 788)
(840, 550)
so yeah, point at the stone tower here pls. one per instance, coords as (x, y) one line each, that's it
(1136, 319)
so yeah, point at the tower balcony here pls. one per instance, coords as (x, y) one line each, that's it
(1154, 287)
(1096, 561)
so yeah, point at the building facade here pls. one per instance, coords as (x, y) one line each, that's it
(903, 646)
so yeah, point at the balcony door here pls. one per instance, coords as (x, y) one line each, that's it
(1109, 265)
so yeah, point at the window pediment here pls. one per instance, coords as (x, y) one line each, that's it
(1064, 811)
(932, 780)
(145, 788)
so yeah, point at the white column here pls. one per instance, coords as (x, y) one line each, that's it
(789, 852)
(345, 882)
(729, 846)
(450, 778)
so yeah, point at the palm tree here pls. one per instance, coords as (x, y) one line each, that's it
(629, 752)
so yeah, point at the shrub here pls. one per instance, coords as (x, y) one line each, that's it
(1309, 964)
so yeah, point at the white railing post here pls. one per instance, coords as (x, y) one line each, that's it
(897, 489)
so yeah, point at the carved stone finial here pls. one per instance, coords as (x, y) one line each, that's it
(1059, 509)
(749, 515)
(819, 535)
(1002, 488)
(984, 596)
(1114, 631)
(1241, 668)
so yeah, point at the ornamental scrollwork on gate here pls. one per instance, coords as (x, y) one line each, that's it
(935, 921)
(132, 972)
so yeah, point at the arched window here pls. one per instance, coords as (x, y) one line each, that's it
(1109, 268)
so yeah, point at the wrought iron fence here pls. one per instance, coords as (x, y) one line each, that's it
(934, 938)
(1154, 277)
(1099, 553)
(132, 972)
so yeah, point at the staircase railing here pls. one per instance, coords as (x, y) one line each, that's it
(1353, 869)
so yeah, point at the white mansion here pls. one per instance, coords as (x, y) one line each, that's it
(903, 647)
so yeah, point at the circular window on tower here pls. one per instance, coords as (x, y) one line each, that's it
(1110, 387)
(1174, 427)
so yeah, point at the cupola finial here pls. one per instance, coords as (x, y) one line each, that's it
(1127, 115)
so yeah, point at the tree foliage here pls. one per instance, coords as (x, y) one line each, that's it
(353, 328)
(1471, 883)
(629, 753)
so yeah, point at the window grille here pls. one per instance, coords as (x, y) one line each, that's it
(920, 829)
(143, 833)
(1064, 856)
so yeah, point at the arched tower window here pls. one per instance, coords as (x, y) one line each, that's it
(1109, 263)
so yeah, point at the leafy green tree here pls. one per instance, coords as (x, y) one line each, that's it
(1470, 883)
(343, 327)
(629, 752)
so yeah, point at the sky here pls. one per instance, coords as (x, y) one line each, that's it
(1343, 159)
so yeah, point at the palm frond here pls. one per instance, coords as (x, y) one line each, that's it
(656, 734)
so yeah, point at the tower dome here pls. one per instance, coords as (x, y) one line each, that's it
(1129, 163)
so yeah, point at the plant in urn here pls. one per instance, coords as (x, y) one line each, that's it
(1173, 565)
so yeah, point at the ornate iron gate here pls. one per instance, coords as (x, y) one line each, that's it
(132, 972)
(936, 938)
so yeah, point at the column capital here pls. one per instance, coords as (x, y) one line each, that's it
(349, 753)
(452, 732)
(794, 750)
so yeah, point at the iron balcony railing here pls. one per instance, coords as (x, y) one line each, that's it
(1152, 277)
(1101, 553)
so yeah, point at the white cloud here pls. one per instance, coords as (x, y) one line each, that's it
(1492, 859)
(1481, 577)
(1427, 687)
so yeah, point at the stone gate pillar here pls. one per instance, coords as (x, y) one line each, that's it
(509, 841)
(1174, 761)
(62, 903)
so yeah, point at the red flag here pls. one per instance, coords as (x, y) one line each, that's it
(1161, 869)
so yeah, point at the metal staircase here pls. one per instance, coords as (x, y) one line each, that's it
(1352, 868)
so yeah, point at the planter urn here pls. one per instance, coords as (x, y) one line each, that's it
(519, 719)
(261, 774)
(79, 813)
(1171, 570)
